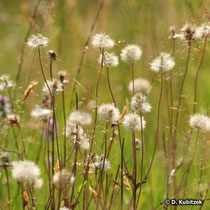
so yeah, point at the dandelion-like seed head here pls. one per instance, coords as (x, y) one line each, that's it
(109, 113)
(139, 103)
(98, 163)
(140, 85)
(80, 118)
(187, 32)
(131, 53)
(41, 114)
(109, 59)
(63, 179)
(37, 41)
(25, 171)
(162, 63)
(202, 32)
(102, 41)
(55, 86)
(132, 122)
(6, 82)
(200, 122)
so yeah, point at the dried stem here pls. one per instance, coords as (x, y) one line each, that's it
(177, 115)
(157, 129)
(8, 188)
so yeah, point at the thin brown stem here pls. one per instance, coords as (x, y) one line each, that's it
(142, 158)
(177, 115)
(157, 129)
(8, 188)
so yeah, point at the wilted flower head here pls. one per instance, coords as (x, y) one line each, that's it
(80, 118)
(202, 32)
(62, 75)
(200, 122)
(188, 31)
(4, 160)
(131, 53)
(139, 103)
(40, 113)
(102, 40)
(52, 55)
(140, 85)
(109, 113)
(13, 119)
(132, 122)
(5, 107)
(109, 59)
(162, 63)
(55, 86)
(6, 82)
(26, 172)
(37, 41)
(63, 179)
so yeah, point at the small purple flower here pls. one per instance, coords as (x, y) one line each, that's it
(5, 107)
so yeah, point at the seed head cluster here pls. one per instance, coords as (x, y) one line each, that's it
(27, 172)
(162, 63)
(109, 113)
(131, 53)
(102, 41)
(200, 122)
(132, 122)
(37, 41)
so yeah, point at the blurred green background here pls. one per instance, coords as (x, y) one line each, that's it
(67, 24)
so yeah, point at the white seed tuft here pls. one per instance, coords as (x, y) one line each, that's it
(132, 122)
(162, 63)
(80, 118)
(109, 59)
(131, 53)
(109, 113)
(102, 41)
(200, 122)
(37, 41)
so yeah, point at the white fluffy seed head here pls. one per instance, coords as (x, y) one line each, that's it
(6, 82)
(139, 103)
(200, 122)
(164, 62)
(132, 122)
(55, 87)
(131, 53)
(140, 85)
(202, 32)
(187, 32)
(26, 172)
(97, 164)
(109, 113)
(102, 41)
(37, 41)
(63, 179)
(41, 114)
(109, 59)
(80, 118)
